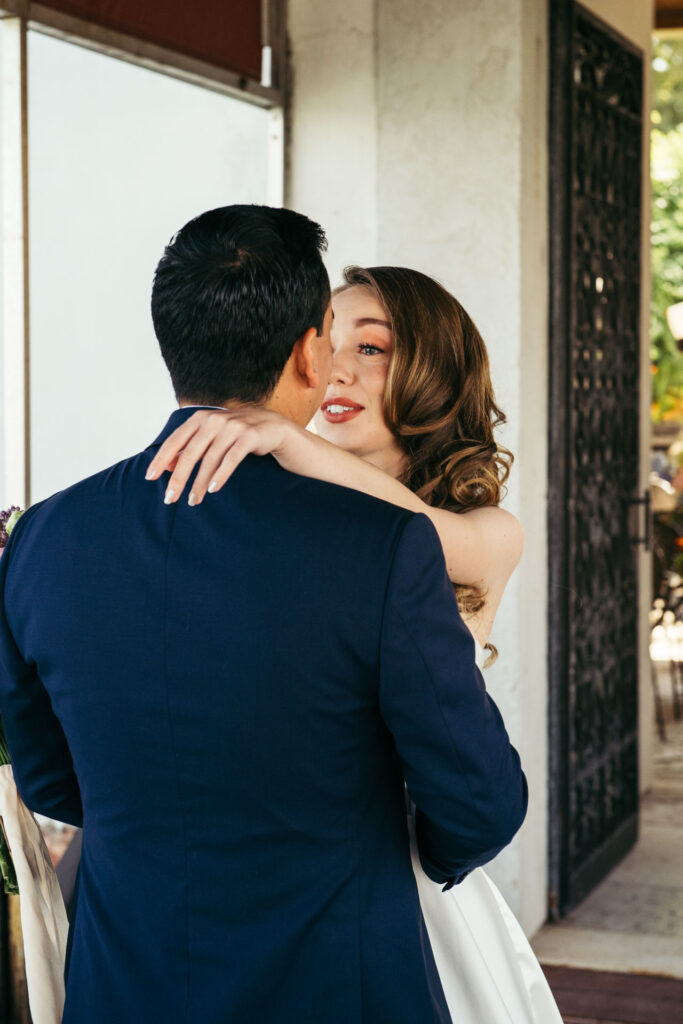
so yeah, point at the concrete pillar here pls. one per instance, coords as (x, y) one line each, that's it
(462, 173)
(331, 156)
(418, 137)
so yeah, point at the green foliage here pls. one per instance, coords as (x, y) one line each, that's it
(667, 226)
(667, 68)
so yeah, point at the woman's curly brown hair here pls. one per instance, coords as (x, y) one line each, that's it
(439, 401)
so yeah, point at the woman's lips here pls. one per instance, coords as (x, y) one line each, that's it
(339, 410)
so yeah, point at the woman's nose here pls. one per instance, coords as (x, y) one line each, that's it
(341, 372)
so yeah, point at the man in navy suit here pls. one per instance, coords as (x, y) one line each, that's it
(229, 702)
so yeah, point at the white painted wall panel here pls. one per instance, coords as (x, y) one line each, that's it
(120, 158)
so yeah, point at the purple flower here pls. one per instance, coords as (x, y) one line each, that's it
(5, 525)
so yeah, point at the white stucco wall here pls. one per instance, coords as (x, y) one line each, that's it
(634, 19)
(437, 160)
(332, 144)
(462, 196)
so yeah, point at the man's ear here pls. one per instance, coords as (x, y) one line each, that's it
(305, 354)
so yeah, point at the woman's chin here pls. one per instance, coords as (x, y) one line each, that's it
(336, 433)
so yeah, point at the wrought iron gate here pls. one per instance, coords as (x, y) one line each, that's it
(595, 184)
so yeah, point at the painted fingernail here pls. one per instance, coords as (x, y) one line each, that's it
(150, 474)
(192, 500)
(168, 497)
(213, 486)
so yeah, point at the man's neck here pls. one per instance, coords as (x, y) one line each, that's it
(278, 402)
(292, 408)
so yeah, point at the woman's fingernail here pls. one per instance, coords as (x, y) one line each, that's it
(212, 486)
(150, 474)
(192, 500)
(168, 497)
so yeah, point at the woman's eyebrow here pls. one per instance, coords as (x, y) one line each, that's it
(365, 320)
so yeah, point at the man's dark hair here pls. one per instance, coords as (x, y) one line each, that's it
(233, 291)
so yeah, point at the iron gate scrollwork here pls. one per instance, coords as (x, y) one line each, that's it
(595, 152)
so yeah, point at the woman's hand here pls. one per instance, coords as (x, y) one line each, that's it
(220, 441)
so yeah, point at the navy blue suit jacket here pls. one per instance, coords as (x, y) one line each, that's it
(228, 699)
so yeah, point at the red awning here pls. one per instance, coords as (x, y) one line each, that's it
(225, 33)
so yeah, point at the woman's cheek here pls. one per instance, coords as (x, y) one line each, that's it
(379, 379)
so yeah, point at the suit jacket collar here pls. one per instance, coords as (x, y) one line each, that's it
(175, 420)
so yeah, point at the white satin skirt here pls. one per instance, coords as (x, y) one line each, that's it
(488, 970)
(43, 918)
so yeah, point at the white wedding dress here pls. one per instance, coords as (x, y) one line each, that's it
(488, 970)
(44, 923)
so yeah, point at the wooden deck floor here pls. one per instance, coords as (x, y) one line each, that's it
(606, 997)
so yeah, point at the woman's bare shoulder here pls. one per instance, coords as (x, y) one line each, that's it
(481, 546)
(500, 540)
(495, 513)
(500, 527)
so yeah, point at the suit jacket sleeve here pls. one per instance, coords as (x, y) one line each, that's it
(460, 768)
(41, 760)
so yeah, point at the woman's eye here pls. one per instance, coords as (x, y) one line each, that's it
(369, 350)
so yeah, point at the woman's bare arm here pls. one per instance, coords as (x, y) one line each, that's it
(481, 547)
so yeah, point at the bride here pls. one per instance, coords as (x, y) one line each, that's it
(408, 417)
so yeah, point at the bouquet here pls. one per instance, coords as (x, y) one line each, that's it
(8, 521)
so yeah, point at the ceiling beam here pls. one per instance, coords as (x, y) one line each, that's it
(668, 15)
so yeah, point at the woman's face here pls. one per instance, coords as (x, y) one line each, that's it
(351, 415)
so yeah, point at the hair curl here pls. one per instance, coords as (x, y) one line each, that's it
(439, 401)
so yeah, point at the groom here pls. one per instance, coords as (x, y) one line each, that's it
(230, 699)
